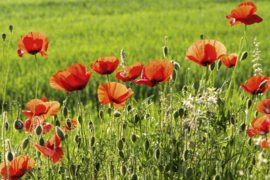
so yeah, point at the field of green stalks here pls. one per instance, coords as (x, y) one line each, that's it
(187, 129)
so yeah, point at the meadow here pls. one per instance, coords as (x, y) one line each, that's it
(81, 32)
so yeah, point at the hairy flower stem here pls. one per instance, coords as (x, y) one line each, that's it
(206, 78)
(2, 75)
(68, 159)
(3, 141)
(237, 61)
(7, 67)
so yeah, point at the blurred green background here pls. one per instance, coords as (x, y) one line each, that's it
(82, 31)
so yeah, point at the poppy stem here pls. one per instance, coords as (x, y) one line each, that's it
(108, 79)
(206, 78)
(3, 136)
(2, 76)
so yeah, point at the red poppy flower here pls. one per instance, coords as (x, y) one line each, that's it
(253, 84)
(129, 73)
(105, 65)
(260, 126)
(205, 52)
(263, 143)
(115, 93)
(264, 106)
(73, 122)
(73, 78)
(30, 125)
(43, 108)
(15, 167)
(156, 71)
(229, 60)
(244, 14)
(33, 43)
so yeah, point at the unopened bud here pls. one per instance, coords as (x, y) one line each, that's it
(123, 170)
(116, 114)
(129, 107)
(249, 141)
(219, 65)
(146, 145)
(136, 118)
(212, 66)
(176, 66)
(80, 119)
(66, 136)
(65, 112)
(25, 143)
(101, 114)
(176, 114)
(263, 84)
(97, 166)
(10, 156)
(217, 177)
(134, 177)
(165, 51)
(185, 155)
(93, 140)
(4, 36)
(256, 114)
(189, 173)
(242, 127)
(253, 161)
(121, 154)
(41, 141)
(69, 124)
(174, 75)
(6, 126)
(38, 130)
(201, 36)
(10, 28)
(18, 125)
(57, 123)
(60, 133)
(120, 145)
(244, 56)
(181, 112)
(157, 154)
(76, 138)
(109, 111)
(167, 167)
(123, 139)
(134, 138)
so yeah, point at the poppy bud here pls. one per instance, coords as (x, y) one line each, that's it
(253, 161)
(219, 65)
(176, 66)
(136, 118)
(167, 167)
(123, 139)
(38, 130)
(18, 125)
(123, 170)
(147, 115)
(66, 136)
(41, 142)
(10, 28)
(25, 143)
(97, 166)
(101, 114)
(109, 111)
(80, 119)
(242, 127)
(129, 107)
(93, 148)
(65, 112)
(165, 51)
(176, 114)
(244, 56)
(185, 155)
(76, 138)
(134, 138)
(121, 154)
(217, 177)
(146, 145)
(124, 126)
(57, 123)
(157, 154)
(174, 75)
(116, 114)
(5, 106)
(134, 177)
(93, 140)
(120, 145)
(201, 36)
(212, 66)
(181, 112)
(263, 84)
(69, 125)
(256, 114)
(60, 133)
(4, 36)
(10, 156)
(189, 173)
(249, 141)
(6, 126)
(72, 169)
(184, 88)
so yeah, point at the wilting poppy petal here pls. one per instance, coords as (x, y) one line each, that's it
(205, 52)
(32, 43)
(73, 78)
(105, 65)
(129, 73)
(229, 60)
(113, 92)
(264, 106)
(244, 14)
(263, 143)
(48, 153)
(145, 80)
(253, 84)
(15, 167)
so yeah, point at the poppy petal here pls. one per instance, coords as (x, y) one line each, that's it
(251, 132)
(103, 95)
(48, 153)
(20, 52)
